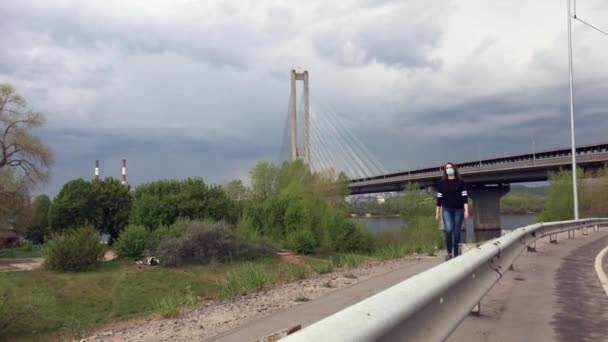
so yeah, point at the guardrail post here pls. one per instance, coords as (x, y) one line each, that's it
(571, 234)
(532, 247)
(596, 228)
(584, 229)
(476, 310)
(553, 238)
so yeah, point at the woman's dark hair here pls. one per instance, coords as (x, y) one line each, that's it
(444, 176)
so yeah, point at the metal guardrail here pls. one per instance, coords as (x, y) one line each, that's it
(430, 305)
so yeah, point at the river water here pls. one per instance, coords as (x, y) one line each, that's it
(508, 222)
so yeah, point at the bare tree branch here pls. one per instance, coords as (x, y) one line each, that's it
(20, 150)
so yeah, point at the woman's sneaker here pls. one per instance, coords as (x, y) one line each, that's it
(448, 257)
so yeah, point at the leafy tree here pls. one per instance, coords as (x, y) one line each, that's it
(112, 202)
(296, 216)
(14, 194)
(235, 190)
(294, 177)
(263, 181)
(161, 203)
(24, 159)
(594, 198)
(73, 207)
(416, 203)
(560, 202)
(293, 206)
(19, 148)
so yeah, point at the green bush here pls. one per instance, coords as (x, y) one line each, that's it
(132, 242)
(160, 234)
(355, 238)
(421, 235)
(246, 230)
(205, 242)
(75, 250)
(26, 246)
(303, 241)
(163, 202)
(170, 252)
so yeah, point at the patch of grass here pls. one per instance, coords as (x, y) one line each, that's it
(323, 267)
(298, 271)
(349, 260)
(420, 237)
(67, 305)
(170, 305)
(27, 250)
(394, 251)
(246, 278)
(10, 312)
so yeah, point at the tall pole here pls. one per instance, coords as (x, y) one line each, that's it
(574, 185)
(479, 153)
(292, 108)
(97, 170)
(124, 171)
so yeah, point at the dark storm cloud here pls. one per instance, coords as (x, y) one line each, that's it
(397, 37)
(506, 123)
(185, 88)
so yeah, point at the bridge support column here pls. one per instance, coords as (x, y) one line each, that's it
(486, 210)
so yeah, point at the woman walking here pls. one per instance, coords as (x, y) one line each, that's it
(452, 207)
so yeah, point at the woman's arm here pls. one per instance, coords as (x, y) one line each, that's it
(465, 198)
(439, 202)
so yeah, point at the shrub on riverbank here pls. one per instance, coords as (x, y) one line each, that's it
(593, 195)
(75, 250)
(132, 242)
(206, 242)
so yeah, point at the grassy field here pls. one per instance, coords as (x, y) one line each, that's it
(51, 305)
(27, 251)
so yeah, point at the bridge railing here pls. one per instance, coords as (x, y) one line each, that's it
(430, 305)
(501, 161)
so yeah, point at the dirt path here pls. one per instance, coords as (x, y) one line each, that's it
(31, 264)
(20, 264)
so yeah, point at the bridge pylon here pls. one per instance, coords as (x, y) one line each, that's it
(300, 152)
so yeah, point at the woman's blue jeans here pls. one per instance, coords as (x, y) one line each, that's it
(452, 220)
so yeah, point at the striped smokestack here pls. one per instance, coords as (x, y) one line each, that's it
(124, 171)
(97, 170)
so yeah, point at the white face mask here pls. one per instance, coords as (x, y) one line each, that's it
(450, 171)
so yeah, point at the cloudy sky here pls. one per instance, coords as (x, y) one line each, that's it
(200, 88)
